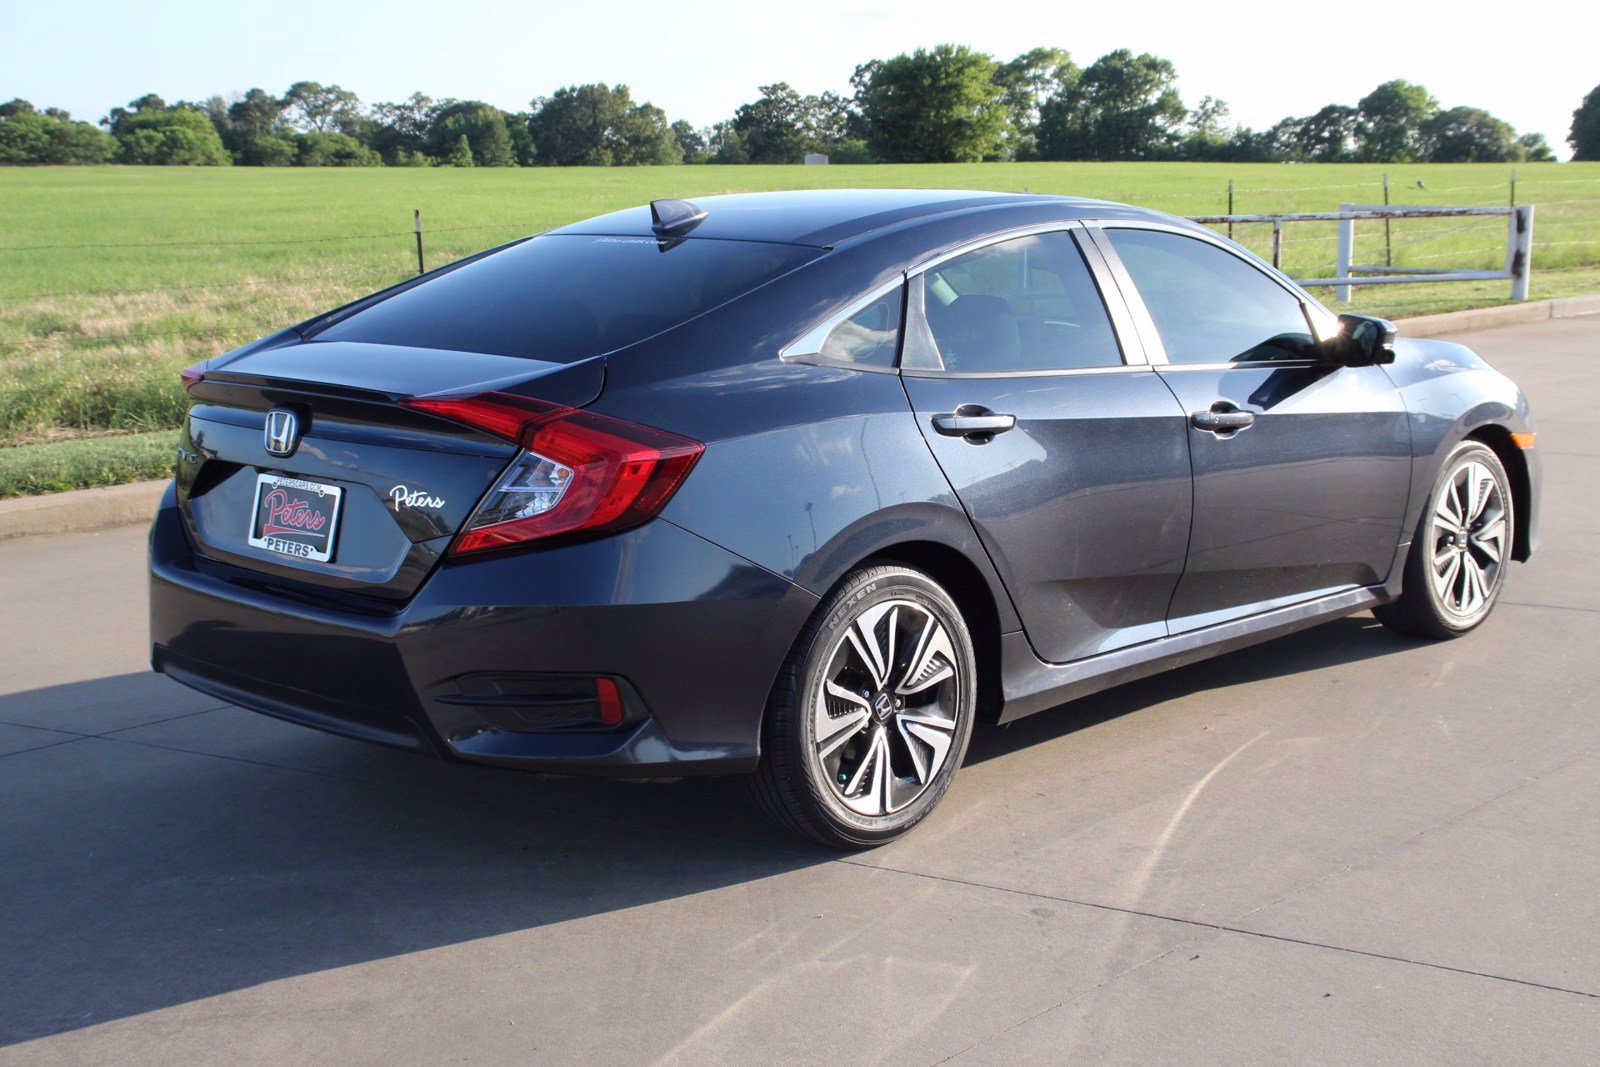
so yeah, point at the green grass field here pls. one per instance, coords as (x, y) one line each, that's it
(114, 278)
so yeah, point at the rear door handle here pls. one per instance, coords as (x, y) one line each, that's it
(1223, 418)
(974, 422)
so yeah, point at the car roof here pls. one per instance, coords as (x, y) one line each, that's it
(827, 217)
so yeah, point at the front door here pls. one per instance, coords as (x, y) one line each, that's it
(1071, 462)
(1301, 467)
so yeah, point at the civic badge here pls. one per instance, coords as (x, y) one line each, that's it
(282, 431)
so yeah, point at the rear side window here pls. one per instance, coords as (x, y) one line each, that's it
(1028, 304)
(870, 336)
(1209, 305)
(566, 297)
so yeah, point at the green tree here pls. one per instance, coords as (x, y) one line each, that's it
(483, 126)
(1329, 136)
(932, 106)
(773, 127)
(522, 147)
(1392, 116)
(1026, 82)
(460, 155)
(168, 137)
(694, 143)
(318, 108)
(1123, 107)
(1535, 149)
(256, 133)
(1209, 135)
(852, 151)
(28, 136)
(600, 126)
(725, 145)
(1469, 135)
(400, 129)
(1585, 135)
(318, 149)
(782, 126)
(148, 102)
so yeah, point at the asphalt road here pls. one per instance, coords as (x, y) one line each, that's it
(1339, 847)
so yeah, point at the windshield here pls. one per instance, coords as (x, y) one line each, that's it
(566, 297)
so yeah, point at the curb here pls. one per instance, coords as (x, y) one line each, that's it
(1454, 322)
(85, 510)
(80, 510)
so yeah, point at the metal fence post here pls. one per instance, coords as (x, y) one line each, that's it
(1347, 241)
(1388, 234)
(1230, 207)
(1277, 243)
(1519, 251)
(417, 218)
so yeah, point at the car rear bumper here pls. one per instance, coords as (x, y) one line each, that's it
(692, 634)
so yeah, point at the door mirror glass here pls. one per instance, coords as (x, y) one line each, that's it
(1363, 341)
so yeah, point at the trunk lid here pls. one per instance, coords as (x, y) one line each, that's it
(383, 488)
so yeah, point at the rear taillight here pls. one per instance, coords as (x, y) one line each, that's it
(193, 375)
(578, 473)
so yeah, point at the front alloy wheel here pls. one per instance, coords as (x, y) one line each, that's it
(872, 713)
(1469, 539)
(1459, 552)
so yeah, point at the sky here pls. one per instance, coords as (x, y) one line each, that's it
(700, 59)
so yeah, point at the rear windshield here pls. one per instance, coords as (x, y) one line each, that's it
(565, 297)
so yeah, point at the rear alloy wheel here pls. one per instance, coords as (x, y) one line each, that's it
(1456, 565)
(872, 713)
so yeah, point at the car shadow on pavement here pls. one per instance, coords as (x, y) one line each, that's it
(164, 864)
(1342, 641)
(160, 864)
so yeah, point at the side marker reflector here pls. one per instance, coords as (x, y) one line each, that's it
(1523, 440)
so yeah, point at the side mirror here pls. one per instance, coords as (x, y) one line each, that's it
(1363, 341)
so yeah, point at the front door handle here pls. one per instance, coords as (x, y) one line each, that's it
(1223, 418)
(974, 422)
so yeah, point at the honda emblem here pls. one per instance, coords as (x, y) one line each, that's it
(282, 431)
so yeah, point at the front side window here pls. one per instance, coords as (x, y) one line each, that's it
(1209, 305)
(1028, 304)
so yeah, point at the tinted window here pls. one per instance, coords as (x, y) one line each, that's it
(1022, 305)
(869, 336)
(568, 297)
(1209, 305)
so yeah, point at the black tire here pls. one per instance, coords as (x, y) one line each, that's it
(794, 783)
(1422, 610)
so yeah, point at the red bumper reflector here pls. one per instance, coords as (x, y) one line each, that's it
(610, 701)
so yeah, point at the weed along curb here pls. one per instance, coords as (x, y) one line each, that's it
(83, 510)
(80, 510)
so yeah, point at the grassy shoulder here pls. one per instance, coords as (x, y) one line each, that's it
(82, 463)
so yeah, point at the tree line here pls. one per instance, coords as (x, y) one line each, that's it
(945, 104)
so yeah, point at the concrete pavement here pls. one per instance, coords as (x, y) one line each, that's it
(1341, 846)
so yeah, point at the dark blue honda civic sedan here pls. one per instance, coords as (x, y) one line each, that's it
(803, 485)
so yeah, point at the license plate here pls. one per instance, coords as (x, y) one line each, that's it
(294, 517)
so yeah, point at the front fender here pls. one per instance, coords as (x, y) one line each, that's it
(1450, 394)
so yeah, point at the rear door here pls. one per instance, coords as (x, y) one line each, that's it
(1301, 466)
(1067, 452)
